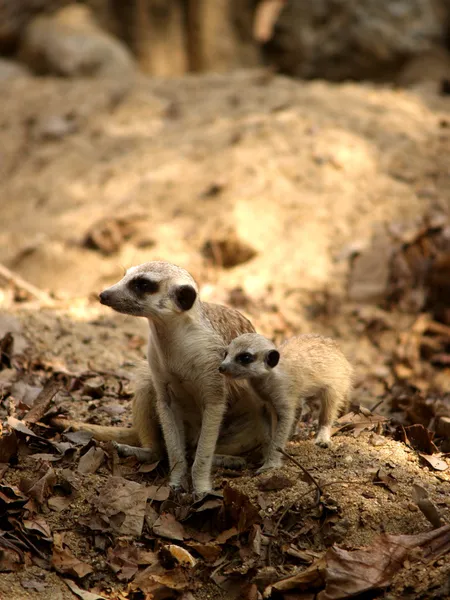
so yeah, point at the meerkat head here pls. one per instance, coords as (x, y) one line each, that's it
(248, 356)
(155, 289)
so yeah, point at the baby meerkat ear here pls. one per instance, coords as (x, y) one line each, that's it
(272, 358)
(184, 296)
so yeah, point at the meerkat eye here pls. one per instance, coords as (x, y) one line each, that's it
(142, 286)
(245, 358)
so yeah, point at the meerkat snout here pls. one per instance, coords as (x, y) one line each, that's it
(104, 297)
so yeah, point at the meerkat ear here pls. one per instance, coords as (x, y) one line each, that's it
(185, 296)
(272, 358)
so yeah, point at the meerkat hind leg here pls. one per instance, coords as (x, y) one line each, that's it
(331, 401)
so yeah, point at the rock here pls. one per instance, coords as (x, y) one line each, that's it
(16, 14)
(353, 39)
(430, 66)
(70, 43)
(54, 127)
(11, 70)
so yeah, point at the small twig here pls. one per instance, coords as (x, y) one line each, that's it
(357, 424)
(29, 288)
(308, 475)
(375, 406)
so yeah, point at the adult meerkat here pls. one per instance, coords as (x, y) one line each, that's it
(304, 366)
(195, 405)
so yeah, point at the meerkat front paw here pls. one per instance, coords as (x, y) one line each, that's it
(322, 444)
(201, 479)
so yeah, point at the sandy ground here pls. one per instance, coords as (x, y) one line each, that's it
(96, 177)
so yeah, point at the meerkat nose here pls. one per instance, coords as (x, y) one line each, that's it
(222, 369)
(103, 297)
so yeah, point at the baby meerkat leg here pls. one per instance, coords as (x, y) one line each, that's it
(285, 409)
(331, 402)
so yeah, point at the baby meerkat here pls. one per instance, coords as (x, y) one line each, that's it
(304, 366)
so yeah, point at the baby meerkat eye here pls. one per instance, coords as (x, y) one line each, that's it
(141, 286)
(245, 358)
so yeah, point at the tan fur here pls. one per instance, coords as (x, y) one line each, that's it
(195, 407)
(309, 365)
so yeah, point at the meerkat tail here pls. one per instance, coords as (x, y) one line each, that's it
(229, 462)
(122, 435)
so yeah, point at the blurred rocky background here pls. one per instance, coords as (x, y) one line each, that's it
(380, 40)
(293, 155)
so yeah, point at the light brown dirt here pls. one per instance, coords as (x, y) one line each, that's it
(301, 172)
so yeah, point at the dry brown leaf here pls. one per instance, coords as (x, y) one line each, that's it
(226, 535)
(357, 422)
(155, 579)
(91, 461)
(125, 558)
(148, 468)
(158, 493)
(66, 563)
(420, 497)
(210, 551)
(39, 490)
(311, 578)
(8, 447)
(239, 507)
(168, 527)
(435, 461)
(11, 497)
(10, 557)
(83, 594)
(349, 573)
(59, 503)
(181, 555)
(123, 504)
(79, 438)
(421, 438)
(122, 562)
(37, 526)
(387, 480)
(34, 585)
(22, 428)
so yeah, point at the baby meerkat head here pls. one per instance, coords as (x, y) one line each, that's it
(154, 290)
(248, 356)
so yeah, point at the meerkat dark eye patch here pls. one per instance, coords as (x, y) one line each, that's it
(141, 286)
(245, 358)
(272, 358)
(185, 296)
